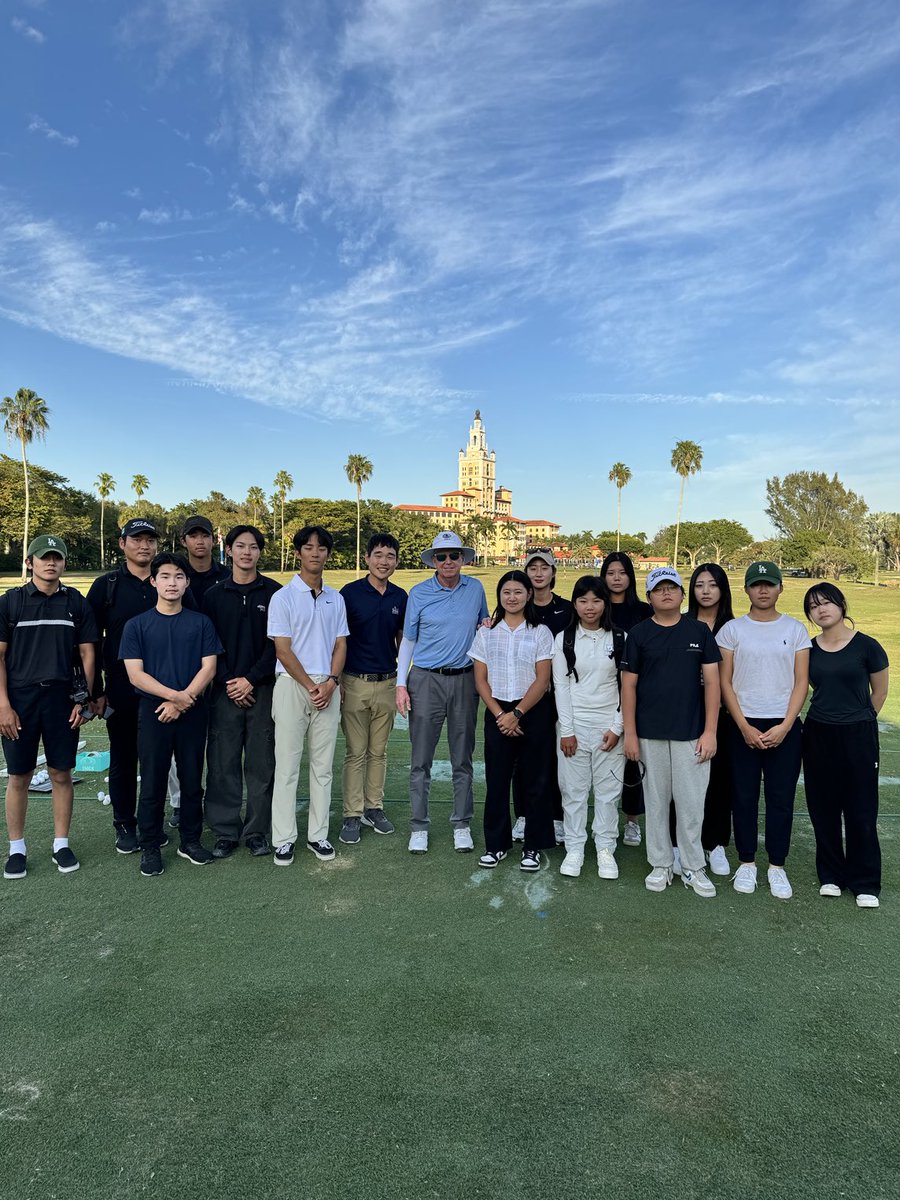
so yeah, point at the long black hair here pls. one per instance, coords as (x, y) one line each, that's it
(584, 585)
(725, 611)
(531, 617)
(619, 556)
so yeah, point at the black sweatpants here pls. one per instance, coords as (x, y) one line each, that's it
(533, 758)
(778, 769)
(840, 774)
(520, 780)
(240, 747)
(157, 742)
(122, 728)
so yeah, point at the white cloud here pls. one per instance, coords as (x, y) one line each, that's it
(163, 215)
(39, 125)
(106, 227)
(28, 31)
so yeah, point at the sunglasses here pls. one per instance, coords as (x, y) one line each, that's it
(442, 555)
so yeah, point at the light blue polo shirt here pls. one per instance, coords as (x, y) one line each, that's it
(442, 621)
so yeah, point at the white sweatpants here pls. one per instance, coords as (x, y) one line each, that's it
(605, 770)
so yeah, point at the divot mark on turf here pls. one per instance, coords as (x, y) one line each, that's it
(341, 862)
(496, 902)
(24, 1096)
(477, 878)
(104, 951)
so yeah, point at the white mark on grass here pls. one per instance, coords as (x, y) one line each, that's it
(341, 862)
(24, 1096)
(442, 771)
(496, 901)
(104, 951)
(538, 891)
(477, 878)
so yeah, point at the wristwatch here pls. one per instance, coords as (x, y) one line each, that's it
(518, 714)
(336, 678)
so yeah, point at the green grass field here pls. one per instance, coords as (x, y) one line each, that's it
(395, 1026)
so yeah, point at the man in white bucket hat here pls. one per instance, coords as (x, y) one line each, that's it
(442, 615)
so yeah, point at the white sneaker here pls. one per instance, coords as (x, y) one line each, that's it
(519, 830)
(864, 900)
(829, 889)
(659, 879)
(462, 839)
(676, 861)
(745, 878)
(699, 881)
(572, 864)
(718, 861)
(607, 867)
(559, 832)
(779, 884)
(418, 841)
(631, 835)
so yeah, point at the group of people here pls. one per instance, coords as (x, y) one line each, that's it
(676, 716)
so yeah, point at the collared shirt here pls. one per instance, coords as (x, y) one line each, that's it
(313, 623)
(240, 613)
(592, 699)
(510, 656)
(42, 632)
(442, 621)
(374, 619)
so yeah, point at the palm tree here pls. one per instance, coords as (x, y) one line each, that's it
(619, 474)
(25, 418)
(686, 460)
(105, 485)
(480, 529)
(139, 485)
(511, 533)
(282, 483)
(359, 471)
(256, 500)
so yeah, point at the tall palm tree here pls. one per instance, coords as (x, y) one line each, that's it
(359, 471)
(283, 482)
(686, 460)
(105, 485)
(256, 501)
(619, 474)
(24, 419)
(139, 485)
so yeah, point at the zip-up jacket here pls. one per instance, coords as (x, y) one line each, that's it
(240, 614)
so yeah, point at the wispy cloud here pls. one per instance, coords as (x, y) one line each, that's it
(164, 215)
(28, 31)
(39, 125)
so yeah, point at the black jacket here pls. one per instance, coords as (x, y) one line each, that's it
(240, 615)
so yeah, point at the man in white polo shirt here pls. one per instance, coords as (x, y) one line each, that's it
(308, 624)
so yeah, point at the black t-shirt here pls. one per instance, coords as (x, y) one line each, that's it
(667, 660)
(171, 647)
(840, 680)
(626, 616)
(202, 581)
(555, 615)
(374, 620)
(41, 633)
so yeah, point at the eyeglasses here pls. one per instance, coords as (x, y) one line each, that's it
(453, 555)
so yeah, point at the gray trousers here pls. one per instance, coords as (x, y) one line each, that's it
(673, 773)
(435, 699)
(240, 748)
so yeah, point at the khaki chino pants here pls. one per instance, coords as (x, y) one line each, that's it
(297, 720)
(367, 718)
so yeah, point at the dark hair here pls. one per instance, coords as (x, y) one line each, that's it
(584, 585)
(529, 559)
(233, 534)
(168, 559)
(308, 532)
(531, 617)
(383, 539)
(725, 611)
(826, 591)
(619, 556)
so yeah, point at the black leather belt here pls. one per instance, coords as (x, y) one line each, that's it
(448, 670)
(369, 678)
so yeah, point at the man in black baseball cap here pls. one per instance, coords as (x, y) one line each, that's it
(197, 536)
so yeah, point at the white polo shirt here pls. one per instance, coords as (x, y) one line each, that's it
(313, 623)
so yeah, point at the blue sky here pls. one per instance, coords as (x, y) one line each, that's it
(238, 237)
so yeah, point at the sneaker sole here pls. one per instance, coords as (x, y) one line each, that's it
(321, 857)
(371, 825)
(489, 866)
(193, 861)
(14, 874)
(606, 874)
(464, 849)
(350, 842)
(657, 887)
(703, 895)
(417, 851)
(283, 862)
(66, 870)
(152, 874)
(119, 850)
(569, 874)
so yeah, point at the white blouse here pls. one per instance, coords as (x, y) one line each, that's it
(510, 656)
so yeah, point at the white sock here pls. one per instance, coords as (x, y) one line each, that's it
(59, 844)
(17, 846)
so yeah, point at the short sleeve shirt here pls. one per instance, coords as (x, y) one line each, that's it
(668, 661)
(171, 647)
(442, 621)
(510, 656)
(840, 680)
(374, 619)
(555, 615)
(626, 616)
(312, 622)
(42, 632)
(764, 654)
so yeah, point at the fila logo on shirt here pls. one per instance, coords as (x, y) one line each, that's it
(693, 645)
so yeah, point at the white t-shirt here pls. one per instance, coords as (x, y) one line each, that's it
(313, 623)
(764, 655)
(510, 656)
(593, 700)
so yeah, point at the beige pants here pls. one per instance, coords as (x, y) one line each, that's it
(296, 720)
(367, 718)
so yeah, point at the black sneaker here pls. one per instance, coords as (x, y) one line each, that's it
(126, 840)
(65, 860)
(224, 847)
(175, 818)
(284, 855)
(375, 819)
(151, 862)
(196, 854)
(16, 867)
(163, 841)
(349, 834)
(531, 860)
(258, 844)
(322, 850)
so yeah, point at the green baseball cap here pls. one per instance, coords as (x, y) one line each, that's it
(762, 572)
(45, 544)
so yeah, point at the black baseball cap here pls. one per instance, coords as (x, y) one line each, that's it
(196, 522)
(137, 526)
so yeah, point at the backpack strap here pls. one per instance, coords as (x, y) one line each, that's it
(618, 651)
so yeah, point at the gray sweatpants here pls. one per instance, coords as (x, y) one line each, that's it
(673, 773)
(435, 699)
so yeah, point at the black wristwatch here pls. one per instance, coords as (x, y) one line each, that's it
(336, 678)
(518, 714)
